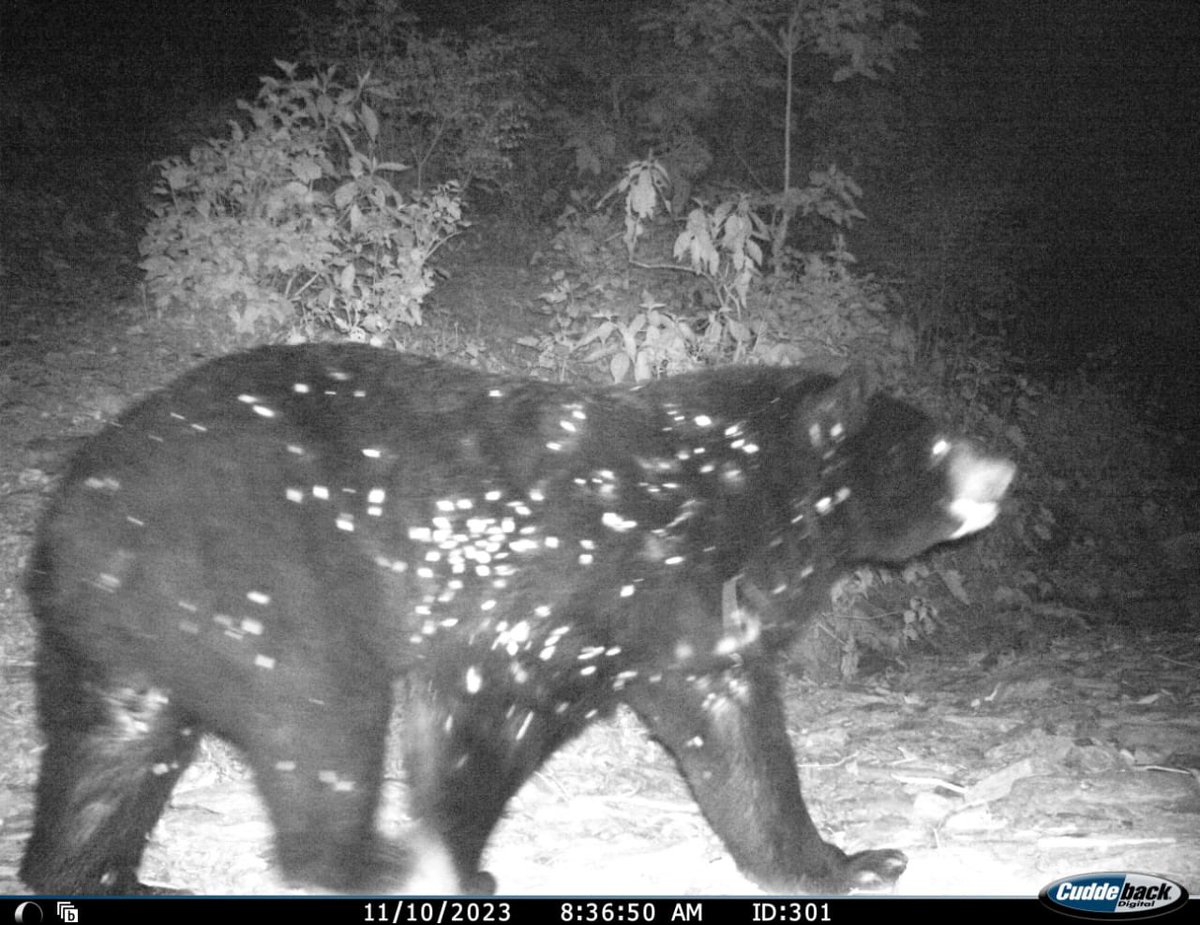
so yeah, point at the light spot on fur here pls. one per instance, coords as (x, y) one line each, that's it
(615, 521)
(336, 782)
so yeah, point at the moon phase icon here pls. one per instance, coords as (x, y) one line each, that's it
(28, 914)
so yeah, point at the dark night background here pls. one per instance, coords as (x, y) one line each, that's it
(1087, 110)
(1094, 107)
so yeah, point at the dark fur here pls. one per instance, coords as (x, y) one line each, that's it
(242, 557)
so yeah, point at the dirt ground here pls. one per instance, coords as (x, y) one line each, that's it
(996, 767)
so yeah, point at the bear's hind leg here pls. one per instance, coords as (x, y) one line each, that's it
(465, 759)
(115, 748)
(317, 749)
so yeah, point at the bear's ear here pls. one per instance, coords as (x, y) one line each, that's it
(826, 417)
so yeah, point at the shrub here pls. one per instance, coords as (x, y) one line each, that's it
(452, 108)
(293, 223)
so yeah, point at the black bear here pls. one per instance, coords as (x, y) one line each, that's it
(261, 550)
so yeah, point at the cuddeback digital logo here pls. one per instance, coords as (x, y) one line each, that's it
(1114, 895)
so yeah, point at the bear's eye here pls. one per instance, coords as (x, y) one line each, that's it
(940, 448)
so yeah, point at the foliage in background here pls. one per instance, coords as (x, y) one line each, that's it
(685, 63)
(772, 45)
(293, 222)
(723, 306)
(452, 108)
